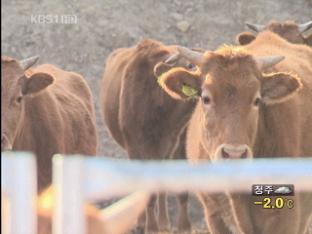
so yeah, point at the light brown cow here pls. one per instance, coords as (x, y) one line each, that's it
(45, 110)
(141, 117)
(288, 30)
(254, 101)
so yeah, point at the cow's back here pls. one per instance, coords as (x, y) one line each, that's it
(69, 83)
(110, 90)
(60, 119)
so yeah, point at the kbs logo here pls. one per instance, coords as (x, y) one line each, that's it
(53, 19)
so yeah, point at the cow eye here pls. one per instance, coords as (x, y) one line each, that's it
(257, 101)
(191, 66)
(19, 99)
(206, 100)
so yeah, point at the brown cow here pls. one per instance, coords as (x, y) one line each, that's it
(254, 101)
(45, 110)
(288, 30)
(141, 117)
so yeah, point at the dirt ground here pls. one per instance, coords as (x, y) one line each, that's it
(78, 35)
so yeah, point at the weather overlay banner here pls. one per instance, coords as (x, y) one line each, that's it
(274, 196)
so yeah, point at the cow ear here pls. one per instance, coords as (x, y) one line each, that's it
(36, 83)
(279, 87)
(160, 68)
(166, 65)
(245, 38)
(180, 83)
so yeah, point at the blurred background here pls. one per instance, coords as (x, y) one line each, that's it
(78, 35)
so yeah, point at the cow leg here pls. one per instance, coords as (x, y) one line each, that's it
(151, 221)
(147, 222)
(214, 212)
(241, 208)
(163, 217)
(184, 223)
(141, 223)
(305, 211)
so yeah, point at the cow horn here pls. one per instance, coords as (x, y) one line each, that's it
(304, 27)
(268, 61)
(27, 63)
(191, 55)
(172, 59)
(255, 27)
(121, 216)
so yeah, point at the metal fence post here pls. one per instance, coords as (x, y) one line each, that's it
(19, 187)
(68, 180)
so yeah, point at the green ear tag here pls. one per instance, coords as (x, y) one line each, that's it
(189, 91)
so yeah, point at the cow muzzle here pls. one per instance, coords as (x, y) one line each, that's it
(5, 143)
(231, 151)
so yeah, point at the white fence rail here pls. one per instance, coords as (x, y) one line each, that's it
(105, 178)
(78, 179)
(18, 190)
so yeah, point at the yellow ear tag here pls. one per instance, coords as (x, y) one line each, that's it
(158, 79)
(189, 91)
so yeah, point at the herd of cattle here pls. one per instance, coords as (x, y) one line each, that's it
(168, 102)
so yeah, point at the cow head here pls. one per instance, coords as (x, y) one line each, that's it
(231, 89)
(288, 30)
(15, 87)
